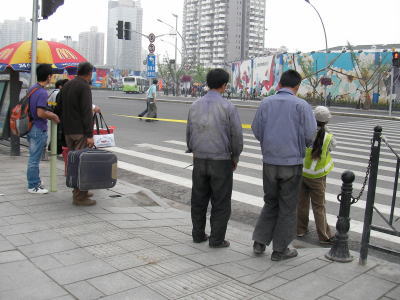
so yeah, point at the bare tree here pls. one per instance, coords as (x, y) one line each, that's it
(369, 74)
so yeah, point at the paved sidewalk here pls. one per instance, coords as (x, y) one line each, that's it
(132, 245)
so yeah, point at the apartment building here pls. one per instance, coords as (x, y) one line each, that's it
(220, 31)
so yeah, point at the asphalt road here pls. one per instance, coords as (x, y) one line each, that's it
(157, 159)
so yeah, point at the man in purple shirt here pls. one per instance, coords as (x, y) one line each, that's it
(37, 136)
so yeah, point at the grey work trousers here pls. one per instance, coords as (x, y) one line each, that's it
(212, 180)
(277, 221)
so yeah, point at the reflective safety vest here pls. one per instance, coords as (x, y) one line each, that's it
(323, 166)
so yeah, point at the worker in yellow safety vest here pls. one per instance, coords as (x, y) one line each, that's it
(317, 164)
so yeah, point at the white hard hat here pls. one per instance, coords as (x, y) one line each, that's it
(322, 114)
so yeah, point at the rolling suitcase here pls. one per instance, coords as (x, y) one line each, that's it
(91, 169)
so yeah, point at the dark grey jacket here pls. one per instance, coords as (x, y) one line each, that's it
(214, 130)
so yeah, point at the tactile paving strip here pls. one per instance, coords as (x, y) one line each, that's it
(188, 283)
(164, 269)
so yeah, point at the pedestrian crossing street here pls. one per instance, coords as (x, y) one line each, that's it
(167, 161)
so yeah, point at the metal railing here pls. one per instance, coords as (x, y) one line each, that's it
(370, 207)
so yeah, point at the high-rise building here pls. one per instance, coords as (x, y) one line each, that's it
(125, 54)
(70, 43)
(91, 46)
(12, 31)
(220, 31)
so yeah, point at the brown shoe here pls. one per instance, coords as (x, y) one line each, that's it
(85, 202)
(81, 198)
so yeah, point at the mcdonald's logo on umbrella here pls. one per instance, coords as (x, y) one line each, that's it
(17, 56)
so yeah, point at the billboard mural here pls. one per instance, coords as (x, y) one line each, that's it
(351, 76)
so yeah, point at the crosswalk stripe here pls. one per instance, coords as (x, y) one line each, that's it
(337, 160)
(338, 153)
(337, 147)
(366, 143)
(357, 164)
(237, 177)
(371, 124)
(165, 149)
(366, 138)
(356, 226)
(359, 130)
(379, 190)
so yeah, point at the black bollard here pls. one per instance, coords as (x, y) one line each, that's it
(340, 249)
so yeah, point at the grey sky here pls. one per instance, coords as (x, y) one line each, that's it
(292, 23)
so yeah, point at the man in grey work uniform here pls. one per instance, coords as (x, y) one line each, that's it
(284, 124)
(214, 135)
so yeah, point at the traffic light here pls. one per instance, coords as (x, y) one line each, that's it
(396, 59)
(49, 7)
(120, 30)
(127, 31)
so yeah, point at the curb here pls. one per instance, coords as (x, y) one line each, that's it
(343, 114)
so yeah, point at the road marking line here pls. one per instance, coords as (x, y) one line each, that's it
(356, 226)
(244, 126)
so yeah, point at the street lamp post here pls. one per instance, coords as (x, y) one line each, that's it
(176, 43)
(176, 39)
(326, 42)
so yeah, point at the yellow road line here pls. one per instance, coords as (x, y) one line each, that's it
(244, 126)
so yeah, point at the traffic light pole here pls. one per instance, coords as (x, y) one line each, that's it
(391, 92)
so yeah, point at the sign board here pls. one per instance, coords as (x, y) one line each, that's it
(152, 48)
(152, 37)
(151, 66)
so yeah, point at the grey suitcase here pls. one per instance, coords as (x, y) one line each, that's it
(91, 169)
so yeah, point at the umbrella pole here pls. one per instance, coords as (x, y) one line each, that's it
(53, 157)
(35, 23)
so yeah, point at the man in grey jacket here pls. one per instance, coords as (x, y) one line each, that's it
(214, 135)
(284, 124)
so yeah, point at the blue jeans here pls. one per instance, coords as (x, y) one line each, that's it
(37, 139)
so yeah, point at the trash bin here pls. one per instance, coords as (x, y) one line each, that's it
(375, 98)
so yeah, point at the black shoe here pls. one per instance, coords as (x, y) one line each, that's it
(204, 239)
(258, 248)
(288, 253)
(224, 244)
(140, 117)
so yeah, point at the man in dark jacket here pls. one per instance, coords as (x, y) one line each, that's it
(77, 120)
(214, 135)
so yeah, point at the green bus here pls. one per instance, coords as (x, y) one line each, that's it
(134, 85)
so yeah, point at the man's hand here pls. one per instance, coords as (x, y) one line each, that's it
(96, 109)
(234, 165)
(56, 119)
(90, 142)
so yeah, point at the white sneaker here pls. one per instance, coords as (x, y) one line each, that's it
(38, 190)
